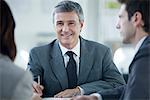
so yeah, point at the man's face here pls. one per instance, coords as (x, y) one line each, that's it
(68, 27)
(126, 27)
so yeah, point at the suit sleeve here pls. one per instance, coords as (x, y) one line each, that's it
(112, 94)
(111, 77)
(34, 64)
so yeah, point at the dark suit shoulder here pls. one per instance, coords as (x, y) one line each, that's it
(43, 48)
(144, 50)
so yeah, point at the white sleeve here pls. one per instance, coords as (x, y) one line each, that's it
(97, 95)
(81, 90)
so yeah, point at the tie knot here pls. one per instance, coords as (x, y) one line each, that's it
(70, 53)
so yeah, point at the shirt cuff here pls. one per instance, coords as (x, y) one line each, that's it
(97, 95)
(81, 90)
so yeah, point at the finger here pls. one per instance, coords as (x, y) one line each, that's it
(63, 95)
(78, 98)
(59, 95)
(34, 88)
(34, 91)
(36, 97)
(37, 88)
(42, 87)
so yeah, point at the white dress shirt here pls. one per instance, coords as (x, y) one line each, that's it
(76, 57)
(138, 45)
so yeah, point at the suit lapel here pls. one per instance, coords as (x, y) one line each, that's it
(85, 64)
(57, 64)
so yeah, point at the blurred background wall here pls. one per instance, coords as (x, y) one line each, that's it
(34, 27)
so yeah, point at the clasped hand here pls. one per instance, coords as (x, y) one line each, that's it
(68, 93)
(37, 88)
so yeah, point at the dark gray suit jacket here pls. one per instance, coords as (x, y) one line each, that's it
(96, 68)
(138, 85)
(15, 83)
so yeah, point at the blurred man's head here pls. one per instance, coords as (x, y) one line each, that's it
(133, 19)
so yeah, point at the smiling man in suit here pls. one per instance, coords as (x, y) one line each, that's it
(92, 68)
(134, 26)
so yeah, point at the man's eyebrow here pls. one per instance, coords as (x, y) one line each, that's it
(59, 21)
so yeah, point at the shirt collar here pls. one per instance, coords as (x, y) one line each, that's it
(76, 49)
(139, 44)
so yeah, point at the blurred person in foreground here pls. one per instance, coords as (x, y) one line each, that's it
(15, 83)
(134, 26)
(92, 68)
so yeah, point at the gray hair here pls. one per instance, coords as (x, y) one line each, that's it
(69, 6)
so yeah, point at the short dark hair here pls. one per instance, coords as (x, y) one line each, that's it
(69, 6)
(7, 26)
(142, 6)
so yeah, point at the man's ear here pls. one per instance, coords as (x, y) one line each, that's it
(81, 22)
(137, 19)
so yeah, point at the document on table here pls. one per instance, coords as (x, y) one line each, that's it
(56, 98)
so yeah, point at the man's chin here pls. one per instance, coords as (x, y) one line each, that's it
(126, 42)
(65, 44)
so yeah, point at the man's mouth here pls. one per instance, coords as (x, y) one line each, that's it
(66, 35)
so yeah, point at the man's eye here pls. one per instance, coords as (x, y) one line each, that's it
(120, 16)
(71, 23)
(60, 24)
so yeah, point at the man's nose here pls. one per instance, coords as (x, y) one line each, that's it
(117, 25)
(65, 28)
